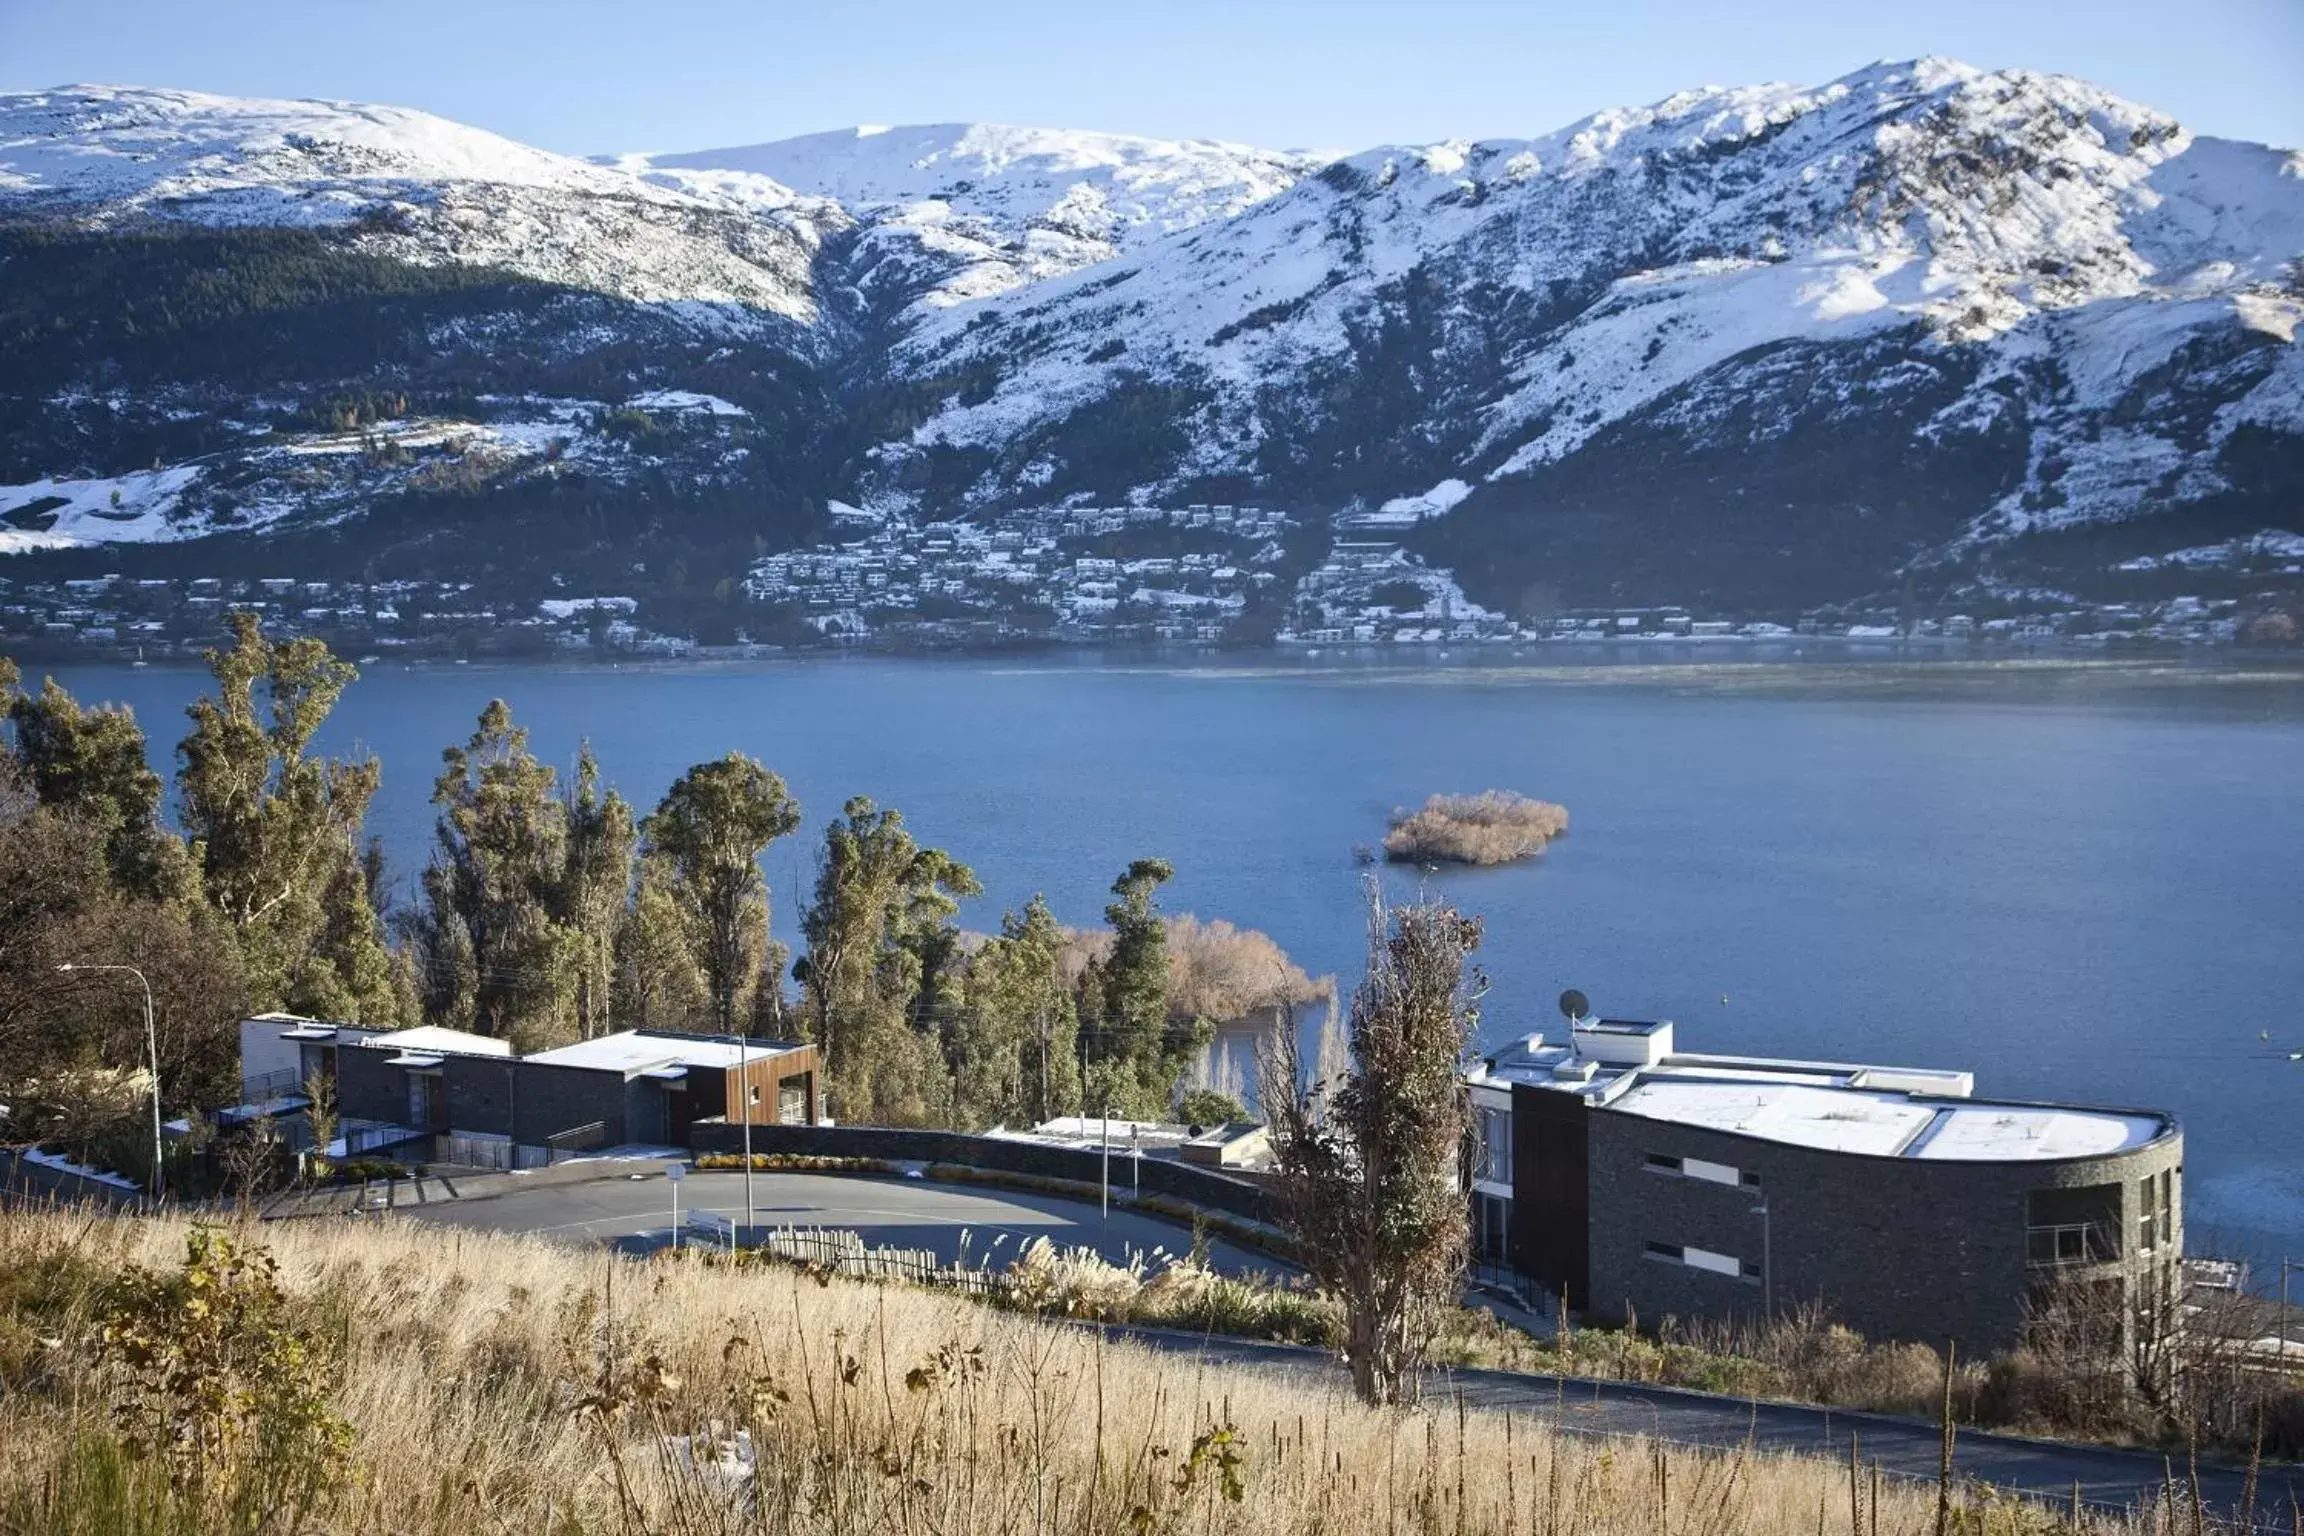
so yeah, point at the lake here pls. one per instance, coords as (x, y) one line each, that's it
(2080, 881)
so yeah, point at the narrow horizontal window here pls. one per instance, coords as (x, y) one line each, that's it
(1711, 1173)
(1664, 1251)
(1662, 1164)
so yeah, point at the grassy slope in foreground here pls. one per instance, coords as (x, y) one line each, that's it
(464, 1368)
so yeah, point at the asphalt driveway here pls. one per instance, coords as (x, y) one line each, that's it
(954, 1221)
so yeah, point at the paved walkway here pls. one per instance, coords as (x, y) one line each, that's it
(2108, 1478)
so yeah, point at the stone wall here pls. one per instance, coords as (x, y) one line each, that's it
(1896, 1248)
(1180, 1181)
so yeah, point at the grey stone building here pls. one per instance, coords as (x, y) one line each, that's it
(1646, 1183)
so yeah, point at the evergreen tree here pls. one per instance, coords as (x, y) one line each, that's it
(659, 982)
(1135, 1053)
(594, 885)
(91, 763)
(492, 956)
(881, 915)
(276, 830)
(1011, 1046)
(710, 830)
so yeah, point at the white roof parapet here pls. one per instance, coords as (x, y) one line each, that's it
(436, 1039)
(1883, 1111)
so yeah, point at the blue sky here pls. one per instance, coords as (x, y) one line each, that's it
(585, 76)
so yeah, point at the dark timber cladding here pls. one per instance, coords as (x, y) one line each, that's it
(1551, 1219)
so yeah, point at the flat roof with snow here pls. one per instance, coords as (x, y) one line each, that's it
(1875, 1111)
(633, 1051)
(436, 1039)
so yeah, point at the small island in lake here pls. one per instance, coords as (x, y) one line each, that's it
(1495, 826)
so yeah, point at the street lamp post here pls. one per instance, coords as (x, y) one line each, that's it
(152, 1046)
(2285, 1266)
(1767, 1263)
(744, 1071)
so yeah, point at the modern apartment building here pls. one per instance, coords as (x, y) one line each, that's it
(1643, 1182)
(476, 1102)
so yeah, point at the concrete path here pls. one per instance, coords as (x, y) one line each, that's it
(1905, 1449)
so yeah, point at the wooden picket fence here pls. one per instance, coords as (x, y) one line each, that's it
(845, 1253)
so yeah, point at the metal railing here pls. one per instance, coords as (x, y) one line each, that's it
(582, 1138)
(2072, 1242)
(270, 1087)
(482, 1152)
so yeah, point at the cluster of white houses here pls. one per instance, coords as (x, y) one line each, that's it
(1630, 1178)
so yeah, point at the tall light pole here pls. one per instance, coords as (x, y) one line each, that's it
(2285, 1266)
(151, 1045)
(744, 1071)
(1767, 1264)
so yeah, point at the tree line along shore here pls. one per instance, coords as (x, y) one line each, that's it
(551, 909)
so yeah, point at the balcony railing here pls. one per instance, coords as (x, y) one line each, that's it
(2072, 1242)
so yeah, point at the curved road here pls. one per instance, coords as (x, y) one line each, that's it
(978, 1222)
(986, 1223)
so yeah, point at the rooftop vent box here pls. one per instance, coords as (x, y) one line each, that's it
(1623, 1042)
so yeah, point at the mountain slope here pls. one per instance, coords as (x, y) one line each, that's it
(963, 211)
(402, 183)
(1945, 281)
(1921, 334)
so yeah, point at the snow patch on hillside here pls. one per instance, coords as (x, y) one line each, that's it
(402, 182)
(987, 207)
(60, 513)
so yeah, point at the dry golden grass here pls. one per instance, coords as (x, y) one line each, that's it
(499, 1384)
(1492, 827)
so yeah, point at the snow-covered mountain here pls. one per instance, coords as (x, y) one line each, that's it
(964, 211)
(1924, 330)
(2050, 304)
(402, 183)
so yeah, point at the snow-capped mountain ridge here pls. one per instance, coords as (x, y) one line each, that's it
(1562, 287)
(405, 183)
(984, 208)
(1817, 338)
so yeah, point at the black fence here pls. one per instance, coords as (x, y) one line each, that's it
(1154, 1175)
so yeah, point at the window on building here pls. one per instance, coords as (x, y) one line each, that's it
(1698, 1168)
(1492, 1239)
(2148, 1214)
(1494, 1158)
(1705, 1259)
(2074, 1226)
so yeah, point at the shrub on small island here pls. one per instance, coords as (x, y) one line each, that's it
(1492, 827)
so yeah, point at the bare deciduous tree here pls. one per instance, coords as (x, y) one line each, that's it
(1368, 1168)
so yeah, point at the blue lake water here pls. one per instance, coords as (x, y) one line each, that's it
(2082, 883)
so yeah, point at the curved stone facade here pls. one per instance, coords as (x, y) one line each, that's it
(1895, 1247)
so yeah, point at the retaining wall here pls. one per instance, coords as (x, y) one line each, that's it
(1178, 1181)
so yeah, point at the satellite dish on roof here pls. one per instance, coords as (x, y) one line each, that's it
(1574, 1005)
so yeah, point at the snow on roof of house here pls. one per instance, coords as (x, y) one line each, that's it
(434, 1039)
(2018, 1132)
(1834, 1119)
(634, 1051)
(1878, 1111)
